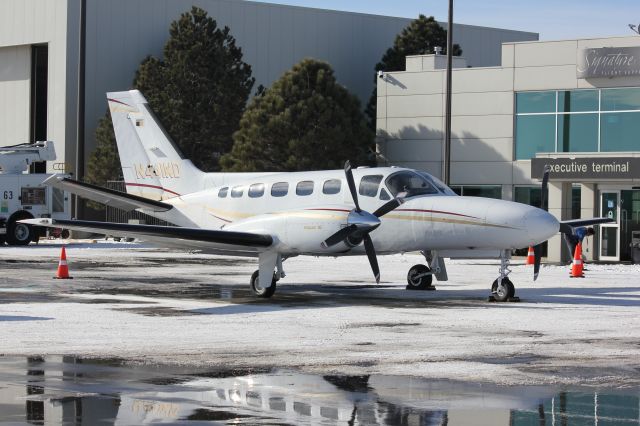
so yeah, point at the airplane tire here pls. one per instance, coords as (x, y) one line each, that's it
(259, 291)
(421, 283)
(503, 296)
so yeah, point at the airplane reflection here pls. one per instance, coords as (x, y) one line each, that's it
(68, 390)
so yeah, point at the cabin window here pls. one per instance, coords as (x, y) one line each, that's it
(409, 184)
(280, 189)
(369, 185)
(256, 190)
(384, 195)
(305, 187)
(223, 192)
(237, 192)
(331, 186)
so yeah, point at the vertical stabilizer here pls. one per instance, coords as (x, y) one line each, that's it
(152, 165)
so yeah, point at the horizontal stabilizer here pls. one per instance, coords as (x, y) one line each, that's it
(159, 233)
(567, 226)
(106, 196)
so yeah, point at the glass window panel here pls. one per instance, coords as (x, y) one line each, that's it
(384, 195)
(305, 187)
(576, 199)
(620, 99)
(280, 189)
(531, 195)
(331, 186)
(369, 185)
(34, 196)
(577, 100)
(609, 242)
(620, 131)
(237, 192)
(256, 190)
(534, 133)
(482, 191)
(528, 102)
(223, 192)
(58, 200)
(409, 184)
(609, 205)
(578, 132)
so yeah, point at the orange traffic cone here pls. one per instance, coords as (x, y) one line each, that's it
(531, 259)
(576, 266)
(63, 268)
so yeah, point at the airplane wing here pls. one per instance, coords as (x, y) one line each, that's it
(106, 196)
(210, 240)
(566, 226)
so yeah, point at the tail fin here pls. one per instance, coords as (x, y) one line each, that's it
(152, 165)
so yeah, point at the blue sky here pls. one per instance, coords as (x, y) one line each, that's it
(552, 19)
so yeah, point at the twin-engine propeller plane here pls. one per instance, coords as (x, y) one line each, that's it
(275, 216)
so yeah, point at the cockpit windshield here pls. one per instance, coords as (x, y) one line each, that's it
(408, 184)
(438, 184)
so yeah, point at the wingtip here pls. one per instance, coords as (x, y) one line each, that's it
(38, 222)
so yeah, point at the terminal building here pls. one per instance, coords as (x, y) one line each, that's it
(572, 104)
(59, 58)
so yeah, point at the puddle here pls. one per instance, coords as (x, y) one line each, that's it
(70, 390)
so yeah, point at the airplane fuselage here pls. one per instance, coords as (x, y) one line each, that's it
(301, 209)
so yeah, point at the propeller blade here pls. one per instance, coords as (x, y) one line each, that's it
(545, 190)
(371, 254)
(537, 253)
(352, 184)
(388, 206)
(339, 236)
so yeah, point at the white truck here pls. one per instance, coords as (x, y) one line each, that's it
(22, 195)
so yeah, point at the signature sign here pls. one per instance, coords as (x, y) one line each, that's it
(608, 62)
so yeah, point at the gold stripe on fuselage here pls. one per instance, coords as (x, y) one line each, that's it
(342, 216)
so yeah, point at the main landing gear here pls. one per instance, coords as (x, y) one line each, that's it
(502, 289)
(268, 261)
(420, 277)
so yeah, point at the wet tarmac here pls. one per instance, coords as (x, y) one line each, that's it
(71, 390)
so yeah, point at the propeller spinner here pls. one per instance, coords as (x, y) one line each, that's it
(360, 223)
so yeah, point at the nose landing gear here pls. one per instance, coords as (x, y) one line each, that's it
(420, 277)
(502, 289)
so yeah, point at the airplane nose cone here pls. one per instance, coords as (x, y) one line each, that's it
(541, 225)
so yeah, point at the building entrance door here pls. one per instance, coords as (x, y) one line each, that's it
(629, 220)
(610, 232)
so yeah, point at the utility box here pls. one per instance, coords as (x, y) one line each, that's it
(635, 247)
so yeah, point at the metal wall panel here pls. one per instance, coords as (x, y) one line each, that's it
(15, 80)
(23, 23)
(273, 38)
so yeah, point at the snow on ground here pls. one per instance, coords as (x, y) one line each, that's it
(153, 305)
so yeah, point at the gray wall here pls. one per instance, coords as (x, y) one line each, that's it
(120, 33)
(23, 23)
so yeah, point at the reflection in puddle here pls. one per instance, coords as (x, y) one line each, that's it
(70, 390)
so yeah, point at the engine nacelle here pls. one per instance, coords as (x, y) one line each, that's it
(298, 231)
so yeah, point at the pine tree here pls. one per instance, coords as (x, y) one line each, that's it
(198, 90)
(104, 163)
(305, 121)
(420, 37)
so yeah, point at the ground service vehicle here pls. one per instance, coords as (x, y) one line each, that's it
(23, 196)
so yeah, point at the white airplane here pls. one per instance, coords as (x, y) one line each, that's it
(275, 216)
